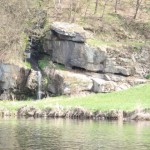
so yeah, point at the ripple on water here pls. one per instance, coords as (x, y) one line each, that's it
(65, 134)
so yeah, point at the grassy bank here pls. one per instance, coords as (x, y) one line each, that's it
(130, 99)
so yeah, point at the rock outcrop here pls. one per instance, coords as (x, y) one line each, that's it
(98, 69)
(17, 83)
(67, 82)
(110, 69)
(102, 86)
(61, 44)
(78, 55)
(69, 32)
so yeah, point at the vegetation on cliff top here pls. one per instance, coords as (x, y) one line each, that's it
(134, 98)
(112, 22)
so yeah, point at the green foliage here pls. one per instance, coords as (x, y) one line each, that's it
(98, 42)
(94, 42)
(147, 76)
(45, 80)
(27, 65)
(44, 62)
(24, 41)
(59, 66)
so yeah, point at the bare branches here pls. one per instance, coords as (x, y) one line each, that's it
(16, 16)
(19, 16)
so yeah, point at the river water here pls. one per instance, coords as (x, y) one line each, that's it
(61, 134)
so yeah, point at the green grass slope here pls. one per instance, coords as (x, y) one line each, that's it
(130, 99)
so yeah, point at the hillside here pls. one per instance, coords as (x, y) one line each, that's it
(110, 22)
(51, 48)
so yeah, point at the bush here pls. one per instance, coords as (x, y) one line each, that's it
(44, 62)
(147, 76)
(27, 65)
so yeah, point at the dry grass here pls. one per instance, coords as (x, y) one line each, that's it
(18, 15)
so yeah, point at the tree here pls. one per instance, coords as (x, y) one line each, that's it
(104, 8)
(16, 17)
(138, 4)
(96, 6)
(116, 5)
(87, 7)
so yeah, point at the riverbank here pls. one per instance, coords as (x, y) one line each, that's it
(126, 105)
(78, 113)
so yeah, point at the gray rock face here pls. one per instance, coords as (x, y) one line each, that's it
(88, 57)
(12, 80)
(56, 85)
(69, 32)
(8, 76)
(47, 45)
(142, 59)
(32, 82)
(102, 86)
(110, 68)
(79, 55)
(66, 43)
(67, 82)
(16, 82)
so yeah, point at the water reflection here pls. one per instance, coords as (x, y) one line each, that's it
(60, 134)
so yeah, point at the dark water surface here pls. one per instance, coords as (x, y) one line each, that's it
(59, 134)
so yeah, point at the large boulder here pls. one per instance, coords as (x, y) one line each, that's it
(17, 82)
(102, 86)
(67, 82)
(8, 76)
(142, 59)
(12, 81)
(119, 62)
(12, 76)
(79, 55)
(88, 57)
(32, 81)
(69, 32)
(112, 66)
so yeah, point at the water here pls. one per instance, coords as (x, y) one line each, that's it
(39, 92)
(59, 134)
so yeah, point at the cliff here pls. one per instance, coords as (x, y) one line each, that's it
(70, 65)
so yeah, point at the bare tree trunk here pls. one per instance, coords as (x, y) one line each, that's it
(138, 3)
(104, 8)
(70, 14)
(75, 11)
(96, 6)
(116, 5)
(86, 10)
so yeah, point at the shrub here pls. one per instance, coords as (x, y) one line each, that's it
(43, 62)
(147, 76)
